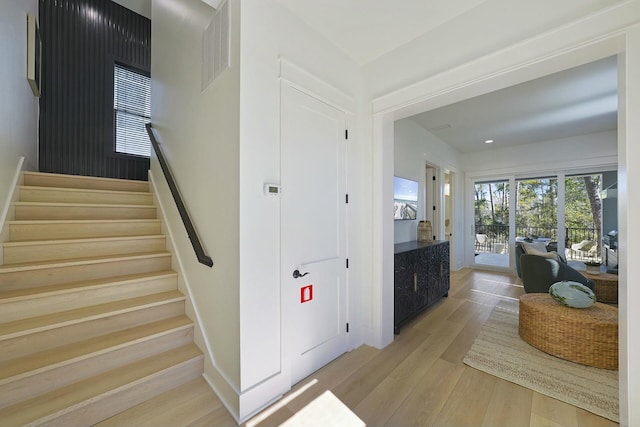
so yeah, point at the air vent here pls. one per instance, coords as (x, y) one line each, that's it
(216, 41)
(439, 127)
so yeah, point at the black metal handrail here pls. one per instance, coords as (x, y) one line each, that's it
(203, 258)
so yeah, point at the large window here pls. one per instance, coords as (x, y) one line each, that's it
(537, 209)
(132, 110)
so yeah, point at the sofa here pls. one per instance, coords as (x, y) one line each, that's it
(539, 273)
(535, 249)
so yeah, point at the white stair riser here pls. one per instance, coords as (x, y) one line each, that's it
(58, 250)
(114, 403)
(39, 305)
(80, 272)
(31, 231)
(44, 340)
(84, 196)
(48, 212)
(77, 181)
(29, 386)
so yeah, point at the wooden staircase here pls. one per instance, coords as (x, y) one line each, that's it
(92, 326)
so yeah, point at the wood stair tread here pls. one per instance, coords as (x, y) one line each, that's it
(82, 181)
(77, 395)
(80, 221)
(178, 407)
(51, 358)
(76, 261)
(82, 190)
(82, 205)
(82, 240)
(26, 230)
(50, 321)
(37, 292)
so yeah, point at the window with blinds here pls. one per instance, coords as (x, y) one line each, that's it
(132, 110)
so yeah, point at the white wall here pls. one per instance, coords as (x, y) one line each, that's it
(272, 39)
(414, 146)
(19, 107)
(578, 152)
(199, 133)
(455, 63)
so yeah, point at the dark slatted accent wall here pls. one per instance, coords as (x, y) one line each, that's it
(81, 40)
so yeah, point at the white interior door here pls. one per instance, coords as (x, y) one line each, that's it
(313, 227)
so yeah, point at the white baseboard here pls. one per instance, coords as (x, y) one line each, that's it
(7, 207)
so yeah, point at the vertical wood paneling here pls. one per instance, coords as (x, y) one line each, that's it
(81, 40)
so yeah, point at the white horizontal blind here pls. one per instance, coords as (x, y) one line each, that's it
(132, 110)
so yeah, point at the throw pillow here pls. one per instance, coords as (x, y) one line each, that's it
(545, 254)
(536, 246)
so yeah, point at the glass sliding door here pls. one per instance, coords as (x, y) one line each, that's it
(583, 218)
(537, 211)
(574, 215)
(491, 219)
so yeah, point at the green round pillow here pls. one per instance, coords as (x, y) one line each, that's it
(572, 294)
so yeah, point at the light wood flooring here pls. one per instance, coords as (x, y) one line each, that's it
(420, 380)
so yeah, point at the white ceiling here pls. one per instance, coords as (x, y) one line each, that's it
(367, 29)
(573, 102)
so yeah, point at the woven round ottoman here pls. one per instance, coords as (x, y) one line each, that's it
(606, 286)
(588, 336)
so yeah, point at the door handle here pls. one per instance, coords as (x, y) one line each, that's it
(297, 274)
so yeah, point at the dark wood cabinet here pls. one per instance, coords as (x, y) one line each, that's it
(421, 277)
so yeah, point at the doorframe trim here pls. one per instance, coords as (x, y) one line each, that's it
(310, 84)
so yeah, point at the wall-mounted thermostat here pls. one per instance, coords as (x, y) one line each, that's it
(272, 190)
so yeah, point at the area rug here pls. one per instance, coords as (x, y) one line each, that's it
(499, 351)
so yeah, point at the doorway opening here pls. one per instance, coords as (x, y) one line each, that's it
(491, 223)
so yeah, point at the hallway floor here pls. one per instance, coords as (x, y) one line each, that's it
(420, 380)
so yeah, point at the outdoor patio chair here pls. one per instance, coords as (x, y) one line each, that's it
(481, 241)
(584, 246)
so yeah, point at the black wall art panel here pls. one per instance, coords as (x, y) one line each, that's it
(81, 41)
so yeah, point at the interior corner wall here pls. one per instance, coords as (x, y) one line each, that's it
(198, 131)
(271, 35)
(81, 41)
(19, 107)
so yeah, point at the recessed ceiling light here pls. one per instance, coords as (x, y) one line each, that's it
(489, 141)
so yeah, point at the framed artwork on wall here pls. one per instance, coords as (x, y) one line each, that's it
(405, 198)
(34, 54)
